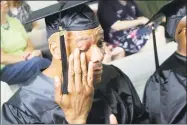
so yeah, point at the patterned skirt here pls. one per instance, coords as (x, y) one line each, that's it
(132, 40)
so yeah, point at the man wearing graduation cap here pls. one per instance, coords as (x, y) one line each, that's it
(165, 96)
(91, 92)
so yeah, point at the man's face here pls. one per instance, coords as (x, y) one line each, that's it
(89, 42)
(181, 33)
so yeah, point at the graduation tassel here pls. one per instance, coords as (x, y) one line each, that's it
(64, 62)
(156, 54)
(155, 48)
(157, 19)
(63, 54)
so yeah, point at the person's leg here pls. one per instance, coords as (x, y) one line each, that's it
(160, 39)
(22, 71)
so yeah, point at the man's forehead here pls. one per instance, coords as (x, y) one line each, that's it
(182, 23)
(80, 35)
(55, 36)
(86, 33)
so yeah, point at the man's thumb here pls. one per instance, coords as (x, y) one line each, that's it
(113, 119)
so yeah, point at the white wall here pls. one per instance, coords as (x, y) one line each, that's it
(35, 5)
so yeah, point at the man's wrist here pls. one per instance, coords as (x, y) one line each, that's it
(76, 121)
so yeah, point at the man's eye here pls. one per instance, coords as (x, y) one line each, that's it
(181, 31)
(100, 43)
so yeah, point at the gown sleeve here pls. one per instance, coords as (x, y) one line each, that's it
(13, 115)
(125, 102)
(150, 98)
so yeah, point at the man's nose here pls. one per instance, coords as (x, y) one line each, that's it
(97, 54)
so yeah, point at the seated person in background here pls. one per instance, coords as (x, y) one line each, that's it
(19, 60)
(121, 21)
(21, 10)
(165, 94)
(93, 91)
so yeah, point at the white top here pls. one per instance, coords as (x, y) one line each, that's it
(14, 11)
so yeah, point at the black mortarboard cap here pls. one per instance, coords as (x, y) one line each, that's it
(75, 15)
(174, 11)
(66, 15)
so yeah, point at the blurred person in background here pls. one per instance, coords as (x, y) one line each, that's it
(19, 59)
(21, 10)
(123, 26)
(165, 96)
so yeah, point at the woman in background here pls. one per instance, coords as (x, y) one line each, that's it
(21, 10)
(19, 59)
(121, 21)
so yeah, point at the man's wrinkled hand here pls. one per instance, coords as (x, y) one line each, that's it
(77, 103)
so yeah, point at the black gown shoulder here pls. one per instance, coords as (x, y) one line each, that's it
(116, 94)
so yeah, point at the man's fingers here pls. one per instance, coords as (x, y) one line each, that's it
(77, 70)
(90, 74)
(113, 119)
(84, 69)
(58, 92)
(71, 74)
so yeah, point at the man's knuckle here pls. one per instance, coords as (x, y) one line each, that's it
(78, 91)
(71, 73)
(84, 76)
(90, 79)
(84, 63)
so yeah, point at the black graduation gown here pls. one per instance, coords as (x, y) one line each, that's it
(34, 103)
(165, 96)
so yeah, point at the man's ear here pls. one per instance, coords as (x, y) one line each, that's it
(55, 50)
